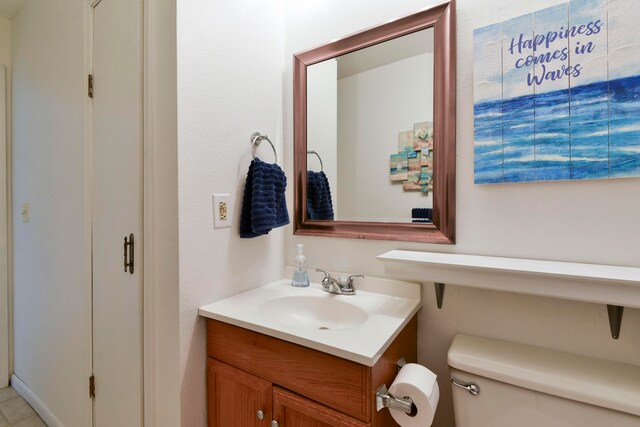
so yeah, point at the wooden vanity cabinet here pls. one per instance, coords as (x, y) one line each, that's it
(235, 397)
(294, 385)
(293, 410)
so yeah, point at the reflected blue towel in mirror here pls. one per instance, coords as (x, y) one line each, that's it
(264, 206)
(422, 214)
(319, 204)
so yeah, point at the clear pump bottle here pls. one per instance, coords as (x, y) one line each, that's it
(300, 276)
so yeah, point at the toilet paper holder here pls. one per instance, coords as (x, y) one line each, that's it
(384, 399)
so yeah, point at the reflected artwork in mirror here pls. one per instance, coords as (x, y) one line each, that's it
(362, 110)
(374, 132)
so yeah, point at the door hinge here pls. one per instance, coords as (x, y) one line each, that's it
(90, 85)
(92, 387)
(128, 253)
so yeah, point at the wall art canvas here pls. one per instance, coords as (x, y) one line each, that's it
(413, 181)
(422, 135)
(557, 94)
(398, 167)
(414, 163)
(426, 180)
(425, 158)
(405, 142)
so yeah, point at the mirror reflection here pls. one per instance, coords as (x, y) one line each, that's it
(370, 133)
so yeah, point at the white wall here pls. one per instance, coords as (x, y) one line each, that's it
(322, 129)
(373, 107)
(590, 221)
(230, 74)
(51, 288)
(5, 41)
(5, 134)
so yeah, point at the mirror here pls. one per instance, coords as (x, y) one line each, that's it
(374, 132)
(362, 109)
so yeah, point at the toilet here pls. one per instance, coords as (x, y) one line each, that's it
(502, 384)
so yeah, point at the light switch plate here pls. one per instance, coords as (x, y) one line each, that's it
(25, 212)
(222, 210)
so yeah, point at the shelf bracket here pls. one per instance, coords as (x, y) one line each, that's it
(615, 319)
(439, 293)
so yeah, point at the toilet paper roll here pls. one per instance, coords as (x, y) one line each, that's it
(418, 383)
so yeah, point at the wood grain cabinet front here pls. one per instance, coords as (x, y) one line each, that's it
(293, 410)
(254, 379)
(236, 398)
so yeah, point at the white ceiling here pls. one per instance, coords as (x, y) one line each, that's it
(8, 8)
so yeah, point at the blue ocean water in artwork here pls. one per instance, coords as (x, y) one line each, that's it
(585, 132)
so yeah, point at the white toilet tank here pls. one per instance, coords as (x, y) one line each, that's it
(524, 386)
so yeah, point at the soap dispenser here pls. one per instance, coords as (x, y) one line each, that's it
(300, 276)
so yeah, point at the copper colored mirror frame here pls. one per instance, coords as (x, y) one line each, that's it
(442, 19)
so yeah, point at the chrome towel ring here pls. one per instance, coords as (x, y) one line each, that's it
(256, 139)
(319, 158)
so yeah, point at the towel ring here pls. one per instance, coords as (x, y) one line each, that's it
(256, 139)
(319, 158)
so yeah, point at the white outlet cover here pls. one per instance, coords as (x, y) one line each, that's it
(217, 200)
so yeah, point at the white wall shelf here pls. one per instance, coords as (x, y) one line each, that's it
(604, 284)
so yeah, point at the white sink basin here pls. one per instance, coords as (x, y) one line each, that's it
(314, 312)
(356, 327)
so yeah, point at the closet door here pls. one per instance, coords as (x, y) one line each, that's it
(117, 212)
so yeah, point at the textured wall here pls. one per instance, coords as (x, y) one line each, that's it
(230, 66)
(591, 221)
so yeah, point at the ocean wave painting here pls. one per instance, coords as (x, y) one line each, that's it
(557, 94)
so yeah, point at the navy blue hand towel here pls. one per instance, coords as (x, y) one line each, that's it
(264, 206)
(319, 204)
(422, 214)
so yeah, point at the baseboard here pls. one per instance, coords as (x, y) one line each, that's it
(33, 400)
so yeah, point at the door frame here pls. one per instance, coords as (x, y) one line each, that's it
(88, 243)
(5, 305)
(161, 325)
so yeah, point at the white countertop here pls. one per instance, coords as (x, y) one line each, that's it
(388, 313)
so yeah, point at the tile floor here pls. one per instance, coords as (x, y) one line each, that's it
(16, 412)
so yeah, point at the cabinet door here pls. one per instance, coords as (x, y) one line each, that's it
(292, 410)
(236, 398)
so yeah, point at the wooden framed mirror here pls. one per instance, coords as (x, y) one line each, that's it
(358, 128)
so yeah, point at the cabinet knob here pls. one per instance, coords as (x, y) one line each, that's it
(274, 423)
(260, 415)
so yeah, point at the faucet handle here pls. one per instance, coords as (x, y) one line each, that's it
(348, 286)
(326, 274)
(350, 279)
(327, 277)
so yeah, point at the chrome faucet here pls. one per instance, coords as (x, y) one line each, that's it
(336, 286)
